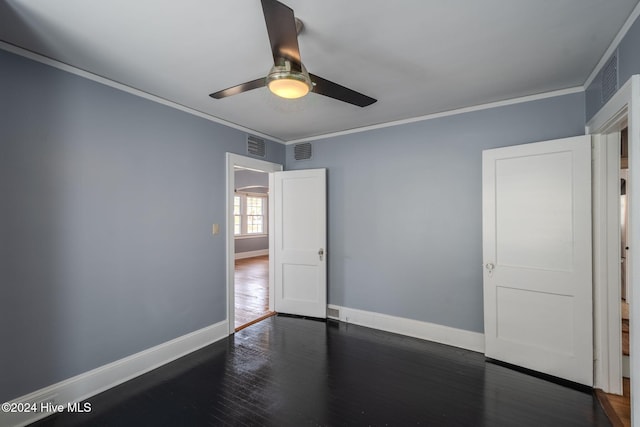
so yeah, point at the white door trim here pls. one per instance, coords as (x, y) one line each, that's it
(624, 105)
(606, 262)
(234, 160)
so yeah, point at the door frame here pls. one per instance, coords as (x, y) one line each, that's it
(606, 258)
(623, 107)
(233, 160)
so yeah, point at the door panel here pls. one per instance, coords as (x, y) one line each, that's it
(537, 256)
(534, 224)
(551, 332)
(300, 242)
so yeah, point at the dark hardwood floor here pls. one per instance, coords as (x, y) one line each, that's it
(294, 372)
(251, 282)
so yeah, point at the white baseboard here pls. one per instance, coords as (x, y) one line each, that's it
(105, 377)
(468, 340)
(251, 254)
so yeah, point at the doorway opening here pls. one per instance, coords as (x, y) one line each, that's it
(624, 248)
(622, 404)
(249, 242)
(251, 235)
(617, 400)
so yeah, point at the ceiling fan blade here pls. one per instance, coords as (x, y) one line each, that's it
(244, 87)
(334, 90)
(281, 27)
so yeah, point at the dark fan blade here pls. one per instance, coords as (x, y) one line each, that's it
(281, 26)
(234, 90)
(333, 90)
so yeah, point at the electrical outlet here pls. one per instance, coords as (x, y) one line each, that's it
(215, 229)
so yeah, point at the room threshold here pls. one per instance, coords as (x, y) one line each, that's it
(254, 321)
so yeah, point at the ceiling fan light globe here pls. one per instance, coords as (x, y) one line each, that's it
(288, 88)
(287, 83)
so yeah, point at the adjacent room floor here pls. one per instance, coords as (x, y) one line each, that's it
(618, 408)
(251, 282)
(288, 371)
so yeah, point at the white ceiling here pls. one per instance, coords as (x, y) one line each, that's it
(417, 57)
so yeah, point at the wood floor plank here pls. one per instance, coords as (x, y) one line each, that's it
(618, 408)
(294, 372)
(251, 282)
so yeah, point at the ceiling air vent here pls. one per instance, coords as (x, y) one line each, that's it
(610, 78)
(256, 146)
(302, 151)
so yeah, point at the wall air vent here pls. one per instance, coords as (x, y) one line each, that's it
(302, 151)
(610, 78)
(256, 146)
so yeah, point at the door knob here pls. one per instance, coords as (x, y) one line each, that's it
(489, 266)
(321, 253)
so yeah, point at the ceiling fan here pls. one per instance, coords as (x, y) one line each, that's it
(288, 78)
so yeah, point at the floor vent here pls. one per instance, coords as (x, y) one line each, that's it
(610, 78)
(302, 151)
(333, 312)
(256, 146)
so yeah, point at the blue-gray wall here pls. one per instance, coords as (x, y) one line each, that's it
(251, 244)
(105, 223)
(248, 178)
(108, 201)
(628, 65)
(405, 207)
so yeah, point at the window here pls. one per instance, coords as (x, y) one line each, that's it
(249, 214)
(255, 215)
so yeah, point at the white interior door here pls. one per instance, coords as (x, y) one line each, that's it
(537, 257)
(299, 211)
